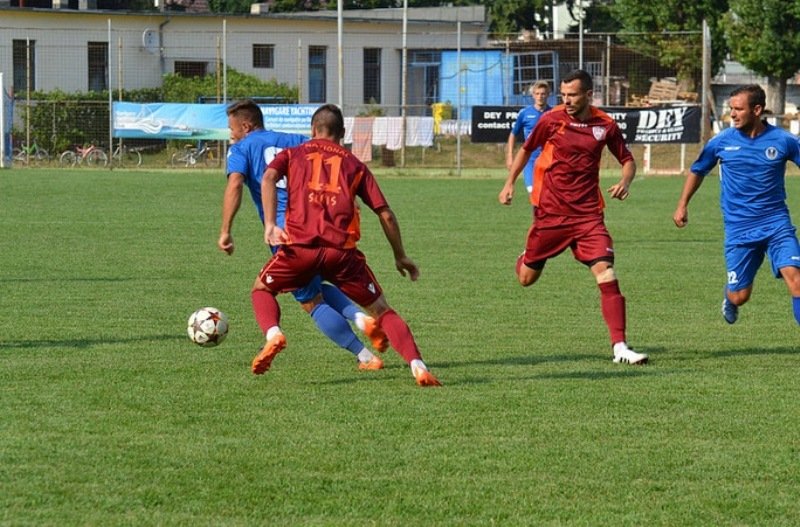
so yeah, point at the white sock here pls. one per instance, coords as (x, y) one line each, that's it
(417, 365)
(274, 330)
(365, 355)
(360, 324)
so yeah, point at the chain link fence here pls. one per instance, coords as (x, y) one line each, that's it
(438, 79)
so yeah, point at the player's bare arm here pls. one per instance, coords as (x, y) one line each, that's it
(690, 186)
(231, 200)
(273, 235)
(510, 150)
(391, 229)
(621, 190)
(520, 160)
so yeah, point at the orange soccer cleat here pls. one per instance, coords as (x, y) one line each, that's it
(263, 360)
(375, 334)
(426, 378)
(375, 363)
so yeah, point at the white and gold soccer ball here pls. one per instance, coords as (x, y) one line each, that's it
(208, 326)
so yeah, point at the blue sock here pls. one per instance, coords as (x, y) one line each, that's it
(796, 307)
(336, 328)
(338, 301)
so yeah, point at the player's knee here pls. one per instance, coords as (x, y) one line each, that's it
(606, 275)
(378, 307)
(741, 296)
(527, 276)
(309, 305)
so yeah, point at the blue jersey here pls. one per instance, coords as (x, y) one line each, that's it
(752, 171)
(251, 156)
(526, 120)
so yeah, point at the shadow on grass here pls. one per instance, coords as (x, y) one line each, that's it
(84, 343)
(746, 352)
(60, 279)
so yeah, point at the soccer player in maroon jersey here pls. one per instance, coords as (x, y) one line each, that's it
(320, 234)
(569, 203)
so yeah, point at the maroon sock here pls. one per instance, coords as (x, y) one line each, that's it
(266, 309)
(399, 335)
(612, 304)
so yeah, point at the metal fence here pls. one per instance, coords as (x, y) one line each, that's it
(629, 71)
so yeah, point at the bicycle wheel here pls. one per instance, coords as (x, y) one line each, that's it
(19, 156)
(178, 159)
(133, 158)
(41, 157)
(96, 158)
(68, 159)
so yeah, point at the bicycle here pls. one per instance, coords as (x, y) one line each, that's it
(32, 155)
(126, 157)
(192, 156)
(92, 155)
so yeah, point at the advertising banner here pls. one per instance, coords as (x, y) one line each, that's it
(658, 124)
(195, 122)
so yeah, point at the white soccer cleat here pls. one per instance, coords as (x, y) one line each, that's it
(624, 355)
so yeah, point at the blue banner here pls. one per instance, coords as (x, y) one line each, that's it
(200, 121)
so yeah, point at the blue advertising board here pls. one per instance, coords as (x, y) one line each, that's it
(200, 121)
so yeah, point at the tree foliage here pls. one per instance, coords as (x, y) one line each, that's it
(176, 88)
(645, 21)
(764, 35)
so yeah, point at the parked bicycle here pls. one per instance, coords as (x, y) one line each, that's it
(91, 155)
(126, 157)
(31, 155)
(193, 156)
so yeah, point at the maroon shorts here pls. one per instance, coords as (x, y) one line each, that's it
(293, 267)
(589, 240)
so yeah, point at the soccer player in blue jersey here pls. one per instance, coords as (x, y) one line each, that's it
(526, 120)
(252, 150)
(752, 156)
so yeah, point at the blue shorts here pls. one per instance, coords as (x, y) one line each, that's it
(744, 254)
(307, 293)
(527, 174)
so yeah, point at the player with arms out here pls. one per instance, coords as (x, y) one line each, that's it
(752, 155)
(252, 150)
(320, 234)
(526, 120)
(568, 201)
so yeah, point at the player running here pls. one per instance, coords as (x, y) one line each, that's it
(752, 156)
(568, 201)
(253, 149)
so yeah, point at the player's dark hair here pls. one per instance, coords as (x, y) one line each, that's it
(247, 110)
(580, 75)
(328, 117)
(755, 95)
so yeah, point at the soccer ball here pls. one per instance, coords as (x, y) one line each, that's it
(208, 326)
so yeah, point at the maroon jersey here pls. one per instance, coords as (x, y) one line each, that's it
(567, 172)
(323, 180)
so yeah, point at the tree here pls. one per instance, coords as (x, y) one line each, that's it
(230, 7)
(646, 23)
(764, 35)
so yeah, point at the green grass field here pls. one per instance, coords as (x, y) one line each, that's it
(110, 416)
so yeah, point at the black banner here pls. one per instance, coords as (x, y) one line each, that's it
(659, 124)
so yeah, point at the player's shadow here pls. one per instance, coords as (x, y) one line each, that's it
(746, 352)
(83, 343)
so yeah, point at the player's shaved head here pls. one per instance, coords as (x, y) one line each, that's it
(248, 111)
(328, 121)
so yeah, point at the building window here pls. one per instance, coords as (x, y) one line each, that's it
(372, 75)
(23, 69)
(97, 60)
(532, 67)
(263, 55)
(188, 68)
(423, 80)
(316, 74)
